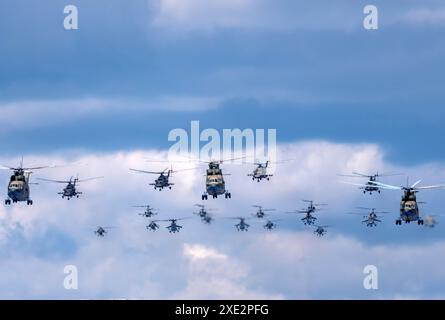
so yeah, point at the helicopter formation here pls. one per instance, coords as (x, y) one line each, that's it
(19, 191)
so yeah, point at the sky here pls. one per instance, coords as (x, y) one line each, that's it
(103, 98)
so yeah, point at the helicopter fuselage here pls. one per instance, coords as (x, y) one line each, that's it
(18, 189)
(409, 209)
(215, 184)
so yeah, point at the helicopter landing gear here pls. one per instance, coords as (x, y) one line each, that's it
(215, 196)
(268, 179)
(29, 202)
(399, 222)
(420, 222)
(228, 195)
(204, 197)
(7, 202)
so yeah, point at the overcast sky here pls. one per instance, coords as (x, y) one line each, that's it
(104, 97)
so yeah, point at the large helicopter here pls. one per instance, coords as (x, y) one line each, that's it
(148, 212)
(321, 230)
(163, 181)
(309, 218)
(372, 218)
(371, 185)
(409, 209)
(70, 191)
(18, 186)
(261, 213)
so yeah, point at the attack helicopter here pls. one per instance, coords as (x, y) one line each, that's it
(163, 181)
(149, 211)
(18, 186)
(372, 218)
(309, 218)
(409, 209)
(371, 185)
(70, 191)
(271, 224)
(172, 228)
(204, 214)
(321, 230)
(242, 225)
(101, 231)
(261, 213)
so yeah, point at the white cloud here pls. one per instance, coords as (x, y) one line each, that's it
(215, 261)
(425, 16)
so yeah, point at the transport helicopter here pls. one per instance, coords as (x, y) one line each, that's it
(163, 180)
(70, 191)
(19, 182)
(409, 209)
(309, 218)
(149, 211)
(261, 170)
(261, 213)
(373, 218)
(371, 185)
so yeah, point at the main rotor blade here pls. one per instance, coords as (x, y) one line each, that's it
(148, 172)
(55, 181)
(89, 179)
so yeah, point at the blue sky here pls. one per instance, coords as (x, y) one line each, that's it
(136, 70)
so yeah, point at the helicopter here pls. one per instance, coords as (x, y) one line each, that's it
(261, 213)
(172, 228)
(372, 218)
(261, 172)
(204, 214)
(70, 190)
(101, 231)
(215, 184)
(152, 226)
(242, 225)
(309, 218)
(321, 230)
(370, 186)
(163, 181)
(18, 186)
(271, 224)
(149, 211)
(409, 209)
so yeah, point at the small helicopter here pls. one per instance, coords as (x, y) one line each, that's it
(372, 218)
(242, 225)
(70, 190)
(18, 186)
(271, 224)
(101, 231)
(309, 218)
(409, 209)
(163, 181)
(372, 185)
(172, 228)
(261, 213)
(149, 211)
(153, 226)
(321, 230)
(204, 214)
